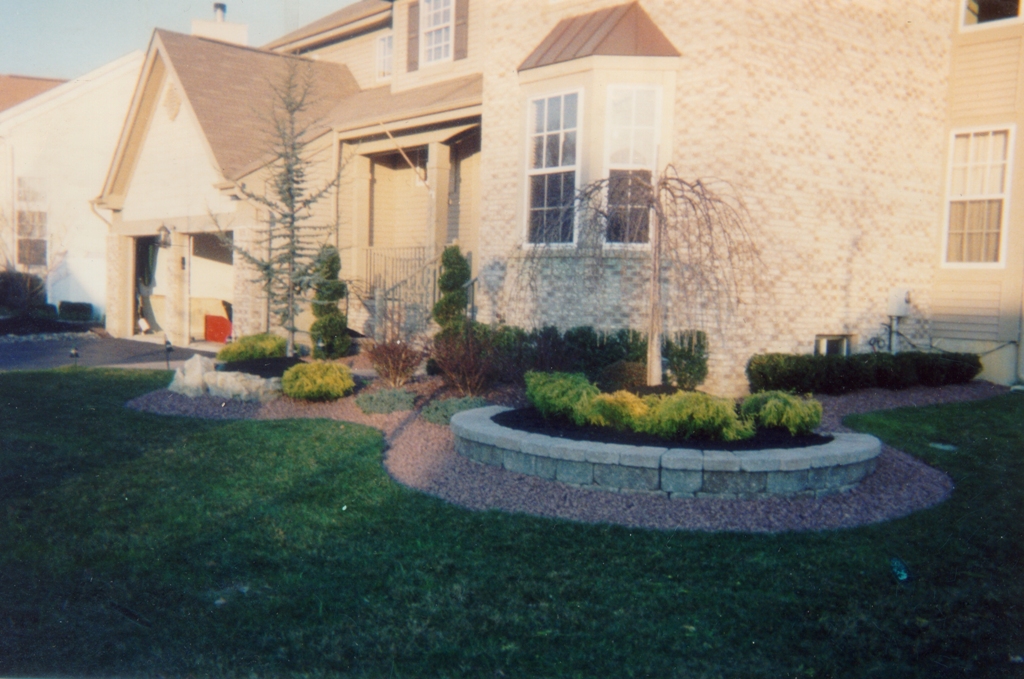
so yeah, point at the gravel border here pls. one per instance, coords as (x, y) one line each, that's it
(422, 456)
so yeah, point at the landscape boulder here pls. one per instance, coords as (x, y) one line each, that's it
(199, 376)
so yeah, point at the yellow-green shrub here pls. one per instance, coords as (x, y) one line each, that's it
(249, 347)
(557, 394)
(317, 381)
(694, 414)
(621, 410)
(779, 409)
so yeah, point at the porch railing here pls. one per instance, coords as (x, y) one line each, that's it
(403, 310)
(387, 267)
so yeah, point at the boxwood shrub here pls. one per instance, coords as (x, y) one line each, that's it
(317, 381)
(799, 373)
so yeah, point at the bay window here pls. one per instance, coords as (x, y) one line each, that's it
(632, 144)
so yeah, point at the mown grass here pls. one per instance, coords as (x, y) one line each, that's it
(139, 545)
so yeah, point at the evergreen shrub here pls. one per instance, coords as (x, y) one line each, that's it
(264, 345)
(559, 394)
(451, 281)
(687, 356)
(440, 412)
(331, 326)
(74, 311)
(798, 373)
(317, 381)
(693, 414)
(622, 375)
(621, 410)
(385, 401)
(778, 409)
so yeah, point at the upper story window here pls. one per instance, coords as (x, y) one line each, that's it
(385, 56)
(553, 168)
(983, 11)
(438, 20)
(632, 147)
(978, 193)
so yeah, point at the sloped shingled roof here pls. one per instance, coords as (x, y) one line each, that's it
(15, 89)
(231, 90)
(352, 13)
(380, 105)
(623, 30)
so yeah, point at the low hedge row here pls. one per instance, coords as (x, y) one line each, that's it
(804, 374)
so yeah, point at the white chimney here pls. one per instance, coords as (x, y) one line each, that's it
(219, 29)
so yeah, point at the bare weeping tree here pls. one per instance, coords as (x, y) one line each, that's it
(289, 248)
(697, 236)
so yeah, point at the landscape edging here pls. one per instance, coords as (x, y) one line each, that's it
(836, 466)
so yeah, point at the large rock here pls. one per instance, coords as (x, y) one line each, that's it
(199, 376)
(242, 386)
(188, 379)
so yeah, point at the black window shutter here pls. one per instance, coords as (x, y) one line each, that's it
(413, 58)
(461, 29)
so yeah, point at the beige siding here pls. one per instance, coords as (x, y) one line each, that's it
(175, 173)
(359, 54)
(968, 311)
(985, 78)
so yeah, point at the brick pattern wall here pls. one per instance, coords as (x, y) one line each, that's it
(826, 118)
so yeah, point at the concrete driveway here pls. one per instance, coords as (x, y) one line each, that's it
(93, 352)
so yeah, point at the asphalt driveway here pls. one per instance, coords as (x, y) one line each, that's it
(93, 352)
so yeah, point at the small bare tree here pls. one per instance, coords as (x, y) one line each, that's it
(699, 236)
(288, 249)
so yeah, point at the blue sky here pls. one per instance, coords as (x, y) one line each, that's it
(67, 38)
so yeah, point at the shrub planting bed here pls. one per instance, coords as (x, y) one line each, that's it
(674, 470)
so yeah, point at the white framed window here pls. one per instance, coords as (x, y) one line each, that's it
(982, 12)
(385, 56)
(631, 158)
(31, 222)
(553, 168)
(978, 194)
(438, 25)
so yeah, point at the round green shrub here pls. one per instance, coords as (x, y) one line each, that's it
(317, 381)
(249, 347)
(440, 412)
(385, 401)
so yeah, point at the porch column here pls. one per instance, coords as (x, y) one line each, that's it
(120, 285)
(439, 165)
(177, 276)
(361, 197)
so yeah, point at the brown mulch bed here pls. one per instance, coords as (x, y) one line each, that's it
(422, 456)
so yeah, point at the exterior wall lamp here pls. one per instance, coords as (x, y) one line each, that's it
(163, 236)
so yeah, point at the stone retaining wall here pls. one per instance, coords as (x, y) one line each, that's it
(674, 472)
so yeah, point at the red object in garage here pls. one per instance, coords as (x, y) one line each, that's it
(218, 329)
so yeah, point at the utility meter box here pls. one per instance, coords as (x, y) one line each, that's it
(899, 302)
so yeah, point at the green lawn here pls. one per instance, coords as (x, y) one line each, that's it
(137, 545)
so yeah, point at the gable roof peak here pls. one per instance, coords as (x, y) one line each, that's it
(623, 30)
